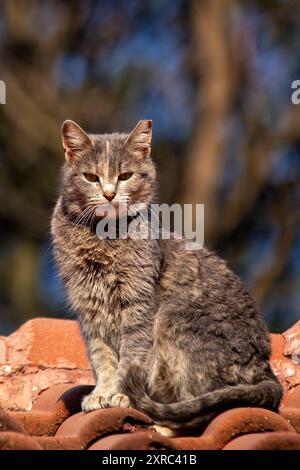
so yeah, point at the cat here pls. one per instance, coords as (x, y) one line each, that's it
(170, 332)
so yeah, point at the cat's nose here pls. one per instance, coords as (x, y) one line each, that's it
(109, 195)
(109, 191)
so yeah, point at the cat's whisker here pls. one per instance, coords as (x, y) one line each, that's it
(96, 203)
(85, 214)
(81, 217)
(95, 199)
(49, 249)
(90, 217)
(88, 214)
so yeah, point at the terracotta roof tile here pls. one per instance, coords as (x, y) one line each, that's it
(2, 352)
(42, 353)
(8, 423)
(286, 356)
(49, 343)
(51, 409)
(292, 415)
(90, 426)
(137, 441)
(16, 441)
(234, 423)
(44, 373)
(266, 441)
(59, 443)
(292, 398)
(277, 342)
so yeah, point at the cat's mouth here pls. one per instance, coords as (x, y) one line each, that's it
(116, 209)
(111, 210)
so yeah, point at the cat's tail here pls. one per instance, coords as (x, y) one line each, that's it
(199, 411)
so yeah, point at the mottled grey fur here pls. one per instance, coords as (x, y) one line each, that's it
(169, 331)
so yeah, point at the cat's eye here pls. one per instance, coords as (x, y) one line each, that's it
(91, 177)
(125, 176)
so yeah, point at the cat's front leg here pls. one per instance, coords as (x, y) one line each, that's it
(104, 364)
(136, 338)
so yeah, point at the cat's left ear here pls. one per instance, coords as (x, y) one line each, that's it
(75, 140)
(139, 141)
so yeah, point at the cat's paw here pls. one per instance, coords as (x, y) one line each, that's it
(95, 401)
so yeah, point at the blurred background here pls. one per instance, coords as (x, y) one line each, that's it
(214, 75)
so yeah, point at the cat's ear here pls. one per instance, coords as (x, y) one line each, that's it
(139, 141)
(75, 140)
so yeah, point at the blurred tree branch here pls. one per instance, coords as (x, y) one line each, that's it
(215, 69)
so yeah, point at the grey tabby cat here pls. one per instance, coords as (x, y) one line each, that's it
(170, 332)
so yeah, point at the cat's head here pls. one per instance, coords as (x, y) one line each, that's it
(107, 169)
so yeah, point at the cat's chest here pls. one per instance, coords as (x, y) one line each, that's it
(100, 291)
(105, 281)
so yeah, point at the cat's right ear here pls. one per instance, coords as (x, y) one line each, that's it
(75, 140)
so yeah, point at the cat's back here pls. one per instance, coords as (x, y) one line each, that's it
(202, 280)
(212, 310)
